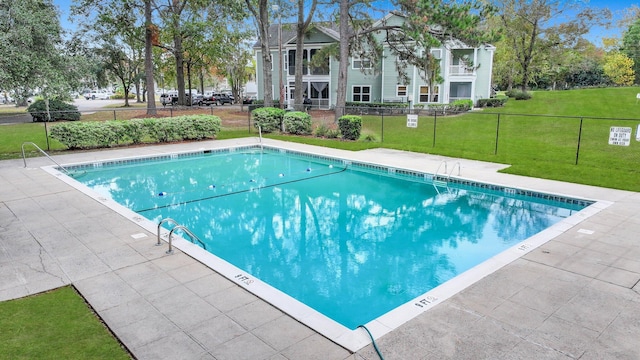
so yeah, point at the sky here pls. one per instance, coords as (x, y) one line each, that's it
(594, 36)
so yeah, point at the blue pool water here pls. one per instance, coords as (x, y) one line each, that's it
(352, 241)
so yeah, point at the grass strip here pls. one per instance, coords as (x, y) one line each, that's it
(55, 325)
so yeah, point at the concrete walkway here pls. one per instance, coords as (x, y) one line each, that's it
(575, 297)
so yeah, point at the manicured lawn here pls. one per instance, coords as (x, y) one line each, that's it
(54, 325)
(13, 136)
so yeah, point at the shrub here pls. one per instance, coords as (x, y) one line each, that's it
(59, 110)
(523, 95)
(493, 102)
(461, 105)
(268, 119)
(350, 126)
(328, 132)
(84, 135)
(297, 122)
(518, 94)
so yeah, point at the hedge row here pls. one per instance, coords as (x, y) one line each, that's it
(94, 134)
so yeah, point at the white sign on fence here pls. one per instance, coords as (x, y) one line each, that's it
(412, 120)
(620, 136)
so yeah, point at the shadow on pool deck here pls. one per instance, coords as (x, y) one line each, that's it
(577, 296)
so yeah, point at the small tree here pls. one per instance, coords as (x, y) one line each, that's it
(619, 68)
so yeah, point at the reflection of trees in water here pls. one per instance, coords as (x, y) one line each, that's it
(325, 234)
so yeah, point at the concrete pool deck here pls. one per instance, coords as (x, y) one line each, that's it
(574, 297)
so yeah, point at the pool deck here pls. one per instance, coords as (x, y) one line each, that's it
(575, 297)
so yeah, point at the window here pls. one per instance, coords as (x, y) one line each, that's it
(424, 94)
(362, 93)
(285, 60)
(359, 63)
(322, 70)
(401, 90)
(436, 53)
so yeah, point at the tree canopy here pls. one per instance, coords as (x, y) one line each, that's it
(32, 50)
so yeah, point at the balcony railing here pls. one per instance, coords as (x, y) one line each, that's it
(460, 70)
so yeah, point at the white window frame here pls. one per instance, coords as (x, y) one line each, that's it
(360, 93)
(285, 62)
(420, 94)
(437, 53)
(402, 93)
(360, 61)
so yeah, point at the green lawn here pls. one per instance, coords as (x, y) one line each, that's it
(538, 137)
(55, 325)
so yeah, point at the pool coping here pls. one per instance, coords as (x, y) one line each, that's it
(352, 340)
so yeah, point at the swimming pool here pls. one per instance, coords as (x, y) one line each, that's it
(296, 204)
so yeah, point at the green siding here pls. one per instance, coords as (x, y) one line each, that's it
(385, 79)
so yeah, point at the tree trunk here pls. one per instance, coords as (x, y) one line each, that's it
(341, 93)
(178, 54)
(299, 91)
(262, 17)
(148, 60)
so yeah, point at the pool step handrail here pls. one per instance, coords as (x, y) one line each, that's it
(24, 158)
(184, 229)
(435, 175)
(169, 220)
(435, 180)
(177, 226)
(457, 164)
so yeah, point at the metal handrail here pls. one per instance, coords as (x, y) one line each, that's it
(186, 231)
(453, 168)
(24, 158)
(435, 176)
(160, 225)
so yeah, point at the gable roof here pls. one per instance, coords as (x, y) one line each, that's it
(289, 33)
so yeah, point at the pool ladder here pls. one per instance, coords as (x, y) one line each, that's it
(177, 226)
(24, 158)
(444, 183)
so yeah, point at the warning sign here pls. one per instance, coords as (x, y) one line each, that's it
(412, 120)
(620, 136)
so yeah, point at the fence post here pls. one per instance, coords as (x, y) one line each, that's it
(495, 152)
(579, 139)
(171, 111)
(248, 118)
(435, 120)
(114, 115)
(382, 127)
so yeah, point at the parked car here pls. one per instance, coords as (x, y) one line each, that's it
(198, 99)
(172, 99)
(168, 99)
(217, 99)
(248, 99)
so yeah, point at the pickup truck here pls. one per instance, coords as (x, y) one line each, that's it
(101, 94)
(172, 99)
(217, 99)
